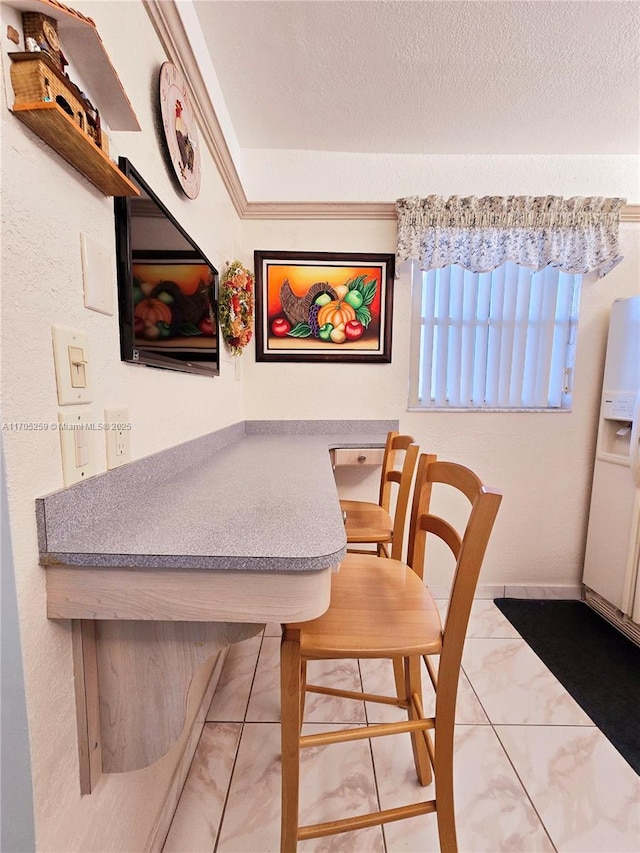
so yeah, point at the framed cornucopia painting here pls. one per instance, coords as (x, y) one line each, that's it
(323, 306)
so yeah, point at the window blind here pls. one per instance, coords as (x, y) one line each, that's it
(501, 339)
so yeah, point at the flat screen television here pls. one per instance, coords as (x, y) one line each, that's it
(167, 287)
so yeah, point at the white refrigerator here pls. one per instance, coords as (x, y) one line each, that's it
(612, 559)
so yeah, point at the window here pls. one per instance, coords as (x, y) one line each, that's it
(498, 340)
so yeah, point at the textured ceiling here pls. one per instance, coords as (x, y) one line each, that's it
(429, 77)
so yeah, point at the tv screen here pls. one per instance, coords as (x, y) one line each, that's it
(167, 287)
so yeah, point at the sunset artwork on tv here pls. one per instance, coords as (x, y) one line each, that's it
(173, 305)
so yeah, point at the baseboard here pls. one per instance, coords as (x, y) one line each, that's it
(484, 591)
(491, 591)
(555, 591)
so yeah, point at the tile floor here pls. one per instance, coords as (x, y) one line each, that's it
(532, 771)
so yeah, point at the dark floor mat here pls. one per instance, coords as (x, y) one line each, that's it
(594, 662)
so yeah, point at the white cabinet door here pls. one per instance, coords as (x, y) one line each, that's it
(611, 533)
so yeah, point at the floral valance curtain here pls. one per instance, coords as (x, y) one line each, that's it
(579, 235)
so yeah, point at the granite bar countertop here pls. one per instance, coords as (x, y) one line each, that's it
(257, 496)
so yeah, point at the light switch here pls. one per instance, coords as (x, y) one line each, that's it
(97, 275)
(81, 448)
(71, 355)
(77, 363)
(76, 444)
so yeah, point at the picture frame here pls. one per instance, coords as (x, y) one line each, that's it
(324, 306)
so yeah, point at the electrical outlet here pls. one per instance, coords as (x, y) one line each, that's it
(118, 435)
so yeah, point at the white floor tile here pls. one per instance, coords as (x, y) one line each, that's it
(377, 677)
(232, 693)
(486, 620)
(493, 812)
(252, 817)
(336, 781)
(343, 675)
(515, 687)
(584, 791)
(194, 828)
(264, 705)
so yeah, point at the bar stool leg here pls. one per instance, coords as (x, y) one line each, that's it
(420, 752)
(398, 676)
(443, 765)
(291, 710)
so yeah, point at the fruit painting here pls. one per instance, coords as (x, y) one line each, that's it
(173, 304)
(323, 306)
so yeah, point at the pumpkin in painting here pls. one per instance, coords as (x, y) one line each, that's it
(337, 312)
(153, 310)
(152, 318)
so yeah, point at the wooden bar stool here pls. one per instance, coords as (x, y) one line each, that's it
(380, 608)
(370, 523)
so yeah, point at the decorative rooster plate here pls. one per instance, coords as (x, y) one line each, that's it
(180, 129)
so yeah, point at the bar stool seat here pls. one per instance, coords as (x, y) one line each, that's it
(373, 631)
(370, 523)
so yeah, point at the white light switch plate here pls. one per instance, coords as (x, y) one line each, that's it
(97, 275)
(76, 444)
(70, 345)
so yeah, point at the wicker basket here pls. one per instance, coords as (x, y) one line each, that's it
(34, 79)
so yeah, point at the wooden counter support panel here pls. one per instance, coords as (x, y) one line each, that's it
(140, 635)
(75, 592)
(134, 684)
(85, 671)
(145, 670)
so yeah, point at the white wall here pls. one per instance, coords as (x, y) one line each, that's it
(542, 462)
(45, 206)
(276, 175)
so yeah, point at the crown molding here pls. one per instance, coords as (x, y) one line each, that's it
(354, 210)
(320, 210)
(170, 29)
(630, 213)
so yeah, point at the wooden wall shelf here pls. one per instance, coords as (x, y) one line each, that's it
(57, 129)
(82, 45)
